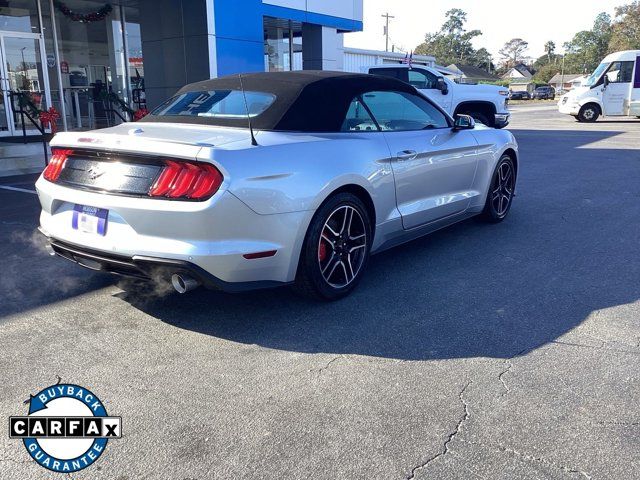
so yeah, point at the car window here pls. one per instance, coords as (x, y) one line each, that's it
(399, 73)
(402, 111)
(620, 72)
(219, 104)
(422, 79)
(358, 118)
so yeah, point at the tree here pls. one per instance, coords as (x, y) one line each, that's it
(513, 52)
(453, 44)
(625, 34)
(550, 49)
(546, 60)
(483, 59)
(589, 47)
(546, 72)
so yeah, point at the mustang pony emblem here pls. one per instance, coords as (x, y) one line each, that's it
(95, 171)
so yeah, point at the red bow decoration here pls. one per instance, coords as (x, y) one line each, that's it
(138, 114)
(49, 118)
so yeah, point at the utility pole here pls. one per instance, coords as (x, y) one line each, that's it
(386, 30)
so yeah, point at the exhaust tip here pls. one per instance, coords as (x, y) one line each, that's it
(183, 283)
(49, 249)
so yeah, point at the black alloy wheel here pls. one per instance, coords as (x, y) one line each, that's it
(501, 191)
(336, 249)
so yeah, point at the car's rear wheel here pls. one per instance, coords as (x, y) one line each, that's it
(336, 249)
(501, 191)
(589, 113)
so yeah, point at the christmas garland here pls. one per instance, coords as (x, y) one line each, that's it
(48, 118)
(86, 17)
(114, 98)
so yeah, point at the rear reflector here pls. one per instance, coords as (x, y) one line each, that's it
(56, 164)
(253, 256)
(186, 180)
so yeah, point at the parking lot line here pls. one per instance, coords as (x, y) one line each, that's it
(17, 189)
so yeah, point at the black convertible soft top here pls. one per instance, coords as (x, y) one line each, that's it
(306, 101)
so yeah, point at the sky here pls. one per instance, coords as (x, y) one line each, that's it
(499, 22)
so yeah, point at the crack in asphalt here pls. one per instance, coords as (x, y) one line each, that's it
(601, 347)
(529, 457)
(621, 424)
(508, 364)
(450, 437)
(328, 364)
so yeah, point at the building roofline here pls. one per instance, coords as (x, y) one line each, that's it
(394, 55)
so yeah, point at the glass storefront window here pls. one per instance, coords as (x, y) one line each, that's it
(19, 16)
(87, 66)
(135, 58)
(282, 45)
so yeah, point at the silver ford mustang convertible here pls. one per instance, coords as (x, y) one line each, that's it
(271, 179)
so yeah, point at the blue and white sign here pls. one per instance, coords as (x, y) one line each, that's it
(67, 428)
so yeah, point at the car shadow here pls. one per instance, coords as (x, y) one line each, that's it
(568, 248)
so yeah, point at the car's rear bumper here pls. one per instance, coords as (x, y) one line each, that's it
(150, 268)
(214, 236)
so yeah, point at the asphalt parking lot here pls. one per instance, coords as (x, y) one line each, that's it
(483, 351)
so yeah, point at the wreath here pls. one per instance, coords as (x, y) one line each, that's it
(97, 16)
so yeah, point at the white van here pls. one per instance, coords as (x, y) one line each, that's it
(613, 90)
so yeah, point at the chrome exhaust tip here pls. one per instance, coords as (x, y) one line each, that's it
(49, 249)
(183, 283)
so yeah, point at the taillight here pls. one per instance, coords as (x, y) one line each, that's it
(56, 164)
(186, 180)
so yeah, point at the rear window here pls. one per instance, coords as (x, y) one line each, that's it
(216, 104)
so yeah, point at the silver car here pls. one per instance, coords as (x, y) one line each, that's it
(271, 179)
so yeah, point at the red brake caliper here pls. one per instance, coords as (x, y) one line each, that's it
(322, 251)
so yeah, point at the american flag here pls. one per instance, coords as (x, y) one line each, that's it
(408, 58)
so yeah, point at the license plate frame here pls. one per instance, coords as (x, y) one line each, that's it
(92, 220)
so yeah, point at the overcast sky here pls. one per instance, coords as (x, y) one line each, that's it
(499, 21)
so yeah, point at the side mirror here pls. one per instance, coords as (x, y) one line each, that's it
(463, 122)
(442, 86)
(606, 80)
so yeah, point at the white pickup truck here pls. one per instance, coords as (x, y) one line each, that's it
(485, 103)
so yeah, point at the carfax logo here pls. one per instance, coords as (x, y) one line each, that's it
(67, 428)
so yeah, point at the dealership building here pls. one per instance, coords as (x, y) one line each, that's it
(92, 60)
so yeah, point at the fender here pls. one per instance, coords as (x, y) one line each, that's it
(485, 103)
(596, 100)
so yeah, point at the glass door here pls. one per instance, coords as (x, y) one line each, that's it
(25, 83)
(5, 110)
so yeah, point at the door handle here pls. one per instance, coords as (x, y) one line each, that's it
(405, 155)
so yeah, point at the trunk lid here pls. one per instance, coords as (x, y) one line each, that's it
(166, 139)
(129, 158)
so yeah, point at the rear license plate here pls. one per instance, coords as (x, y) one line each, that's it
(90, 219)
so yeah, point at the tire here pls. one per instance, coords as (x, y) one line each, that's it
(589, 113)
(501, 189)
(481, 118)
(336, 249)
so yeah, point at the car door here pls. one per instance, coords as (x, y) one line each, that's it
(433, 165)
(427, 83)
(616, 93)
